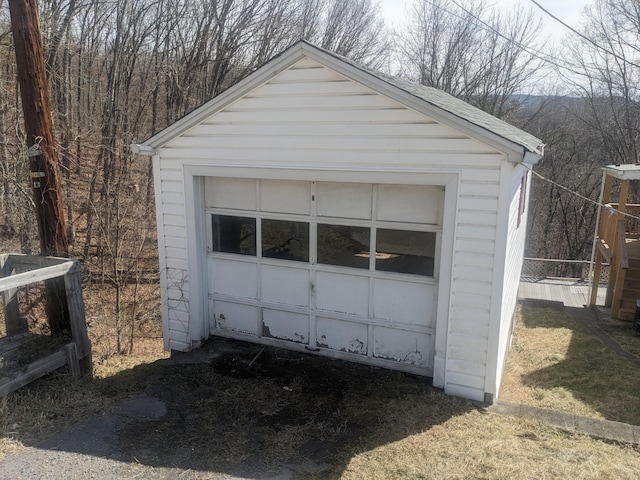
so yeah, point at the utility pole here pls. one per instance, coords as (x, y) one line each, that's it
(43, 158)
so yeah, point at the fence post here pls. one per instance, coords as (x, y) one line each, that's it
(13, 323)
(77, 319)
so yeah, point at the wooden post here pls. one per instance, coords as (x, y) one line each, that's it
(595, 280)
(596, 256)
(606, 192)
(622, 266)
(614, 244)
(71, 352)
(622, 202)
(41, 149)
(13, 323)
(78, 321)
(619, 225)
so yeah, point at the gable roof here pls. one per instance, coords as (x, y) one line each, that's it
(428, 100)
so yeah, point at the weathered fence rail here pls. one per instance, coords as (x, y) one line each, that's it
(18, 271)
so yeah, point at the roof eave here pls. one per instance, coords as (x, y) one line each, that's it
(532, 158)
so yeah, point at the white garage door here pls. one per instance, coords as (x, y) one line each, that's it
(343, 269)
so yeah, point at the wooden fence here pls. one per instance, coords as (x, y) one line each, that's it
(18, 271)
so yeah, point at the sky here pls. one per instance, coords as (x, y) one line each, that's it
(567, 10)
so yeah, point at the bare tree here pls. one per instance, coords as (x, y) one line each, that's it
(606, 53)
(561, 220)
(354, 29)
(472, 51)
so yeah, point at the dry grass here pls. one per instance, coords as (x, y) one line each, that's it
(140, 309)
(623, 333)
(476, 446)
(58, 401)
(554, 363)
(286, 408)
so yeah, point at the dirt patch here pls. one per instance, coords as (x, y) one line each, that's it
(258, 409)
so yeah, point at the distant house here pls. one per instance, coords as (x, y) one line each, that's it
(322, 207)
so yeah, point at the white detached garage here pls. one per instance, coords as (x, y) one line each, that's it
(320, 206)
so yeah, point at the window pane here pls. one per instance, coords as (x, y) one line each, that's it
(343, 245)
(403, 251)
(287, 240)
(234, 234)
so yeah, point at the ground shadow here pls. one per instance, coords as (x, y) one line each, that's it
(592, 370)
(256, 411)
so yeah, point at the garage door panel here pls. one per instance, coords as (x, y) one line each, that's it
(283, 196)
(236, 193)
(332, 295)
(344, 200)
(404, 302)
(342, 293)
(289, 286)
(402, 346)
(340, 335)
(235, 317)
(410, 203)
(293, 327)
(233, 278)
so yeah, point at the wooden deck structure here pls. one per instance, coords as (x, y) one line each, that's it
(21, 270)
(617, 241)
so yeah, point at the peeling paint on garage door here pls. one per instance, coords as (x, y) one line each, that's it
(343, 269)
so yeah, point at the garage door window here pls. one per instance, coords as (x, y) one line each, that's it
(379, 228)
(345, 246)
(399, 251)
(285, 240)
(234, 234)
(403, 251)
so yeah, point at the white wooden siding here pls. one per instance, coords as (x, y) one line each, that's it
(331, 158)
(309, 117)
(466, 323)
(175, 286)
(397, 130)
(317, 143)
(472, 286)
(516, 237)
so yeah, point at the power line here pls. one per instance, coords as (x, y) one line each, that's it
(610, 209)
(545, 57)
(584, 37)
(540, 55)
